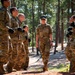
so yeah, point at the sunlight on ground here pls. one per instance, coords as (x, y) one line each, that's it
(60, 68)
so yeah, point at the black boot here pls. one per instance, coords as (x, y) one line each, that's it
(1, 69)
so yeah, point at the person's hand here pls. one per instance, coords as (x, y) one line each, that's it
(20, 29)
(11, 31)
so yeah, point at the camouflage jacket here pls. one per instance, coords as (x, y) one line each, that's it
(4, 18)
(43, 31)
(14, 25)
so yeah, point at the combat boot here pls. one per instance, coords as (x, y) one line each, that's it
(45, 68)
(9, 67)
(1, 69)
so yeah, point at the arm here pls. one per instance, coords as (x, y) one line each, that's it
(50, 37)
(51, 42)
(37, 40)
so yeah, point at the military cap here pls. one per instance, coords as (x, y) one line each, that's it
(43, 17)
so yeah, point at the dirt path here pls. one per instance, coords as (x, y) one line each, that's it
(35, 68)
(54, 60)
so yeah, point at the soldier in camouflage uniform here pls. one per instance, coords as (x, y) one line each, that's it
(26, 41)
(4, 22)
(44, 37)
(22, 50)
(70, 48)
(13, 33)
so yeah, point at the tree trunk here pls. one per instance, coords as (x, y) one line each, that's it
(33, 25)
(56, 35)
(44, 6)
(62, 30)
(59, 32)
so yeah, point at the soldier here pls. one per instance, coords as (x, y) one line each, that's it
(26, 41)
(13, 32)
(22, 51)
(70, 48)
(4, 22)
(44, 37)
(21, 18)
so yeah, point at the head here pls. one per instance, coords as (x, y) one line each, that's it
(72, 19)
(21, 17)
(26, 28)
(5, 3)
(14, 11)
(43, 19)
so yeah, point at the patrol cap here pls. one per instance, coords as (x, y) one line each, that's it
(43, 17)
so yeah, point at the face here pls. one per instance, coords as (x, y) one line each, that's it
(7, 3)
(22, 18)
(43, 21)
(15, 13)
(71, 20)
(26, 29)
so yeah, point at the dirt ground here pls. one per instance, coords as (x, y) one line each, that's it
(35, 68)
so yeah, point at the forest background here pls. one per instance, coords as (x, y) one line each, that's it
(58, 13)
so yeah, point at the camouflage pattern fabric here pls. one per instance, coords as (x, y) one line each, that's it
(70, 51)
(44, 31)
(22, 54)
(24, 38)
(4, 21)
(14, 41)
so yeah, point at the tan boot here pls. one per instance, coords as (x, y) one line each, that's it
(45, 68)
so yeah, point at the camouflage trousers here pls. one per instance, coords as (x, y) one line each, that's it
(45, 51)
(70, 53)
(17, 55)
(26, 61)
(3, 52)
(20, 56)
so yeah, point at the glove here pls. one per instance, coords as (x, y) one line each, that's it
(72, 24)
(29, 39)
(69, 33)
(11, 31)
(69, 29)
(20, 29)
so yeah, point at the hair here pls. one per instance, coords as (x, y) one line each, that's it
(2, 1)
(12, 9)
(25, 26)
(73, 16)
(21, 14)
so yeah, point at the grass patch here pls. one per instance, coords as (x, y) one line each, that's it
(60, 68)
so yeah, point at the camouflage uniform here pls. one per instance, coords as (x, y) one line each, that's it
(4, 21)
(14, 44)
(25, 41)
(43, 32)
(70, 51)
(22, 52)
